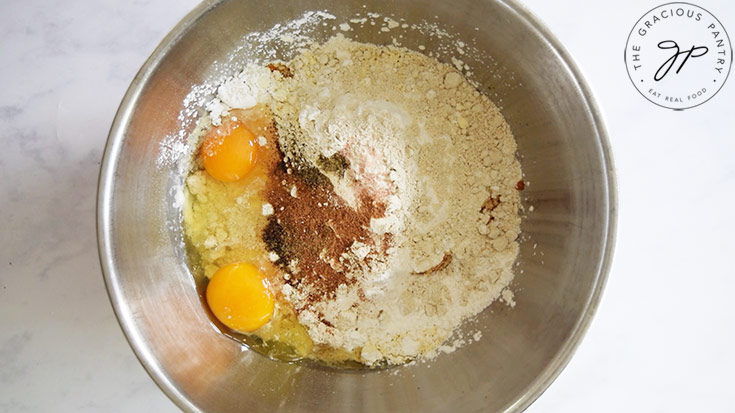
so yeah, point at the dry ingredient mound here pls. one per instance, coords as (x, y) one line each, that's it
(393, 214)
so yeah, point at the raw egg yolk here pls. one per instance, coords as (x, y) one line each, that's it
(229, 151)
(239, 296)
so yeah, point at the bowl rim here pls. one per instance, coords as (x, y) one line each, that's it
(112, 151)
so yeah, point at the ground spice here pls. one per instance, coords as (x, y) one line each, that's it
(312, 230)
(438, 267)
(283, 69)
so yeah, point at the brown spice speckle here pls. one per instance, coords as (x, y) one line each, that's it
(280, 67)
(490, 204)
(316, 228)
(438, 267)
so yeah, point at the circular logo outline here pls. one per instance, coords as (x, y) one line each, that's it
(627, 43)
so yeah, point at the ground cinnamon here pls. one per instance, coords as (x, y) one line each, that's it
(312, 227)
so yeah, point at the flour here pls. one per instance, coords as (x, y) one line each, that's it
(420, 139)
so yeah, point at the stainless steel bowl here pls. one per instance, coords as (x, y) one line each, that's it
(562, 267)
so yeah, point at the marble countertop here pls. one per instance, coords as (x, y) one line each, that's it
(663, 336)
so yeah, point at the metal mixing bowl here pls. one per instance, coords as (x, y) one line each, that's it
(565, 252)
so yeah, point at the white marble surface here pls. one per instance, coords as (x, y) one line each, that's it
(664, 333)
